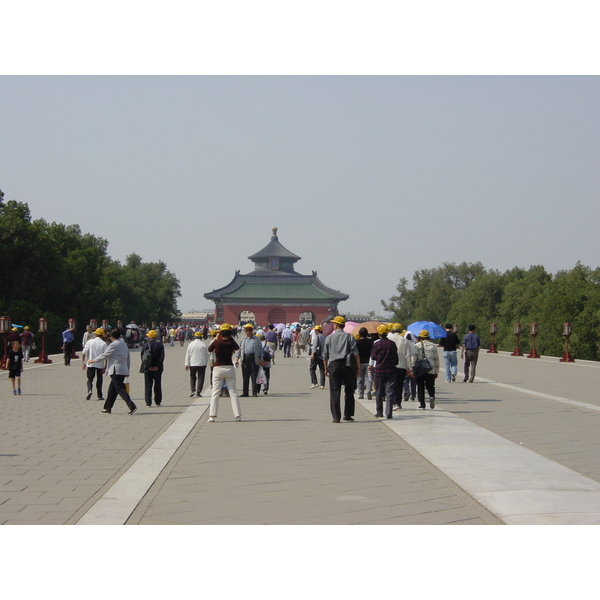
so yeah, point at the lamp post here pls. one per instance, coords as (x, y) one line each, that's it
(493, 330)
(533, 332)
(5, 327)
(93, 324)
(43, 329)
(517, 332)
(105, 325)
(567, 330)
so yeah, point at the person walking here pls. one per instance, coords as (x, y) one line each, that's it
(224, 347)
(250, 354)
(364, 343)
(410, 381)
(153, 358)
(117, 354)
(316, 358)
(385, 355)
(286, 341)
(265, 364)
(26, 342)
(425, 348)
(93, 348)
(403, 368)
(470, 352)
(14, 365)
(271, 339)
(196, 359)
(342, 366)
(450, 345)
(68, 338)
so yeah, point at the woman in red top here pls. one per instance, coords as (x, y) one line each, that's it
(224, 347)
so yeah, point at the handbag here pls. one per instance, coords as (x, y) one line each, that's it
(422, 366)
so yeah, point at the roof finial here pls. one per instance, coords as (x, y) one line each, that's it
(274, 234)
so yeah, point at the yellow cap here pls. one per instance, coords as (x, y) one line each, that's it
(382, 330)
(339, 320)
(397, 327)
(226, 327)
(99, 331)
(424, 333)
(247, 326)
(318, 327)
(152, 334)
(197, 334)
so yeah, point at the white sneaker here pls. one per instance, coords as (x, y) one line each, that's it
(238, 418)
(211, 419)
(314, 385)
(322, 387)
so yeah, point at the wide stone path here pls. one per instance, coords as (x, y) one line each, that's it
(62, 461)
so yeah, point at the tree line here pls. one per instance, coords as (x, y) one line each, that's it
(470, 293)
(55, 271)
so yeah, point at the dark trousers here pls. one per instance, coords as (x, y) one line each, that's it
(423, 383)
(471, 357)
(287, 348)
(197, 378)
(249, 370)
(92, 372)
(117, 388)
(387, 384)
(153, 379)
(314, 363)
(400, 377)
(340, 374)
(67, 351)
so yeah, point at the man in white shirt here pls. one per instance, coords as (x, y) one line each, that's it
(196, 359)
(117, 354)
(93, 348)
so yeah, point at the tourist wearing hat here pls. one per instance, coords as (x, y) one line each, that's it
(117, 354)
(342, 366)
(425, 348)
(316, 358)
(403, 368)
(26, 343)
(196, 359)
(385, 356)
(153, 370)
(93, 348)
(250, 355)
(224, 347)
(271, 339)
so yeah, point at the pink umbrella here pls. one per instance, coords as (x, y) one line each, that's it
(350, 325)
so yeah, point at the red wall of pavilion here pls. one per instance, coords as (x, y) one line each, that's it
(231, 313)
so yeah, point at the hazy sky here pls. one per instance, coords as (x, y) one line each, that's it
(368, 178)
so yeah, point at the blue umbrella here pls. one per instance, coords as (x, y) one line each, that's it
(435, 331)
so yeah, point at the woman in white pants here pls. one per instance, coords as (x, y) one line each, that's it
(224, 347)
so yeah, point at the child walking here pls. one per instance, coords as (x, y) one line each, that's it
(14, 364)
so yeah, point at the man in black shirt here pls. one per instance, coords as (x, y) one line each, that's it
(450, 345)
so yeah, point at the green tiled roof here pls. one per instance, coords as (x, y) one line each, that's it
(287, 291)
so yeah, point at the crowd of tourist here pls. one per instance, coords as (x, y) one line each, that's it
(393, 364)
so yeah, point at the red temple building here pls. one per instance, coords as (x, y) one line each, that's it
(274, 292)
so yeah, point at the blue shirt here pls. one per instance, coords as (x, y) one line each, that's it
(67, 336)
(471, 341)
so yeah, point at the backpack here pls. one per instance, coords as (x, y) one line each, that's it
(146, 355)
